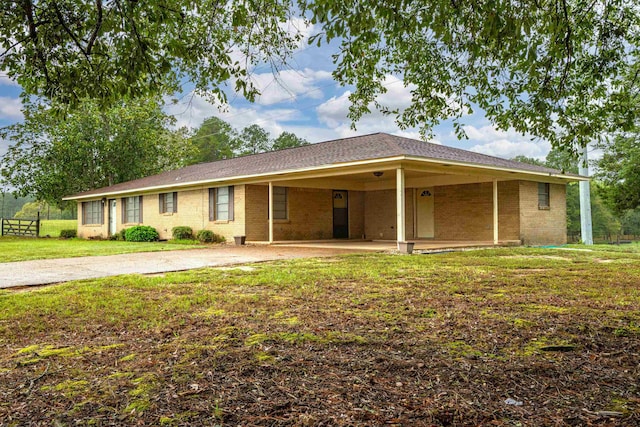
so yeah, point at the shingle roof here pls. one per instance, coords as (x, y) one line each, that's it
(359, 148)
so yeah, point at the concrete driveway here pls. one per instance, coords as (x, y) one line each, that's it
(47, 271)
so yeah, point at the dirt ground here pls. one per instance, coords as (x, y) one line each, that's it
(509, 337)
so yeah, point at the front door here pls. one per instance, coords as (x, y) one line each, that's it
(112, 217)
(424, 212)
(340, 214)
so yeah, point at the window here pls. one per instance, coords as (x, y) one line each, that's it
(132, 209)
(221, 204)
(168, 202)
(280, 203)
(92, 212)
(543, 195)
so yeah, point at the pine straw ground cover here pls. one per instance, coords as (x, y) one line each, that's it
(508, 337)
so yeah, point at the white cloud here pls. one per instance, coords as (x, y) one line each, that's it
(289, 85)
(334, 113)
(10, 108)
(296, 25)
(6, 81)
(194, 109)
(505, 144)
(4, 145)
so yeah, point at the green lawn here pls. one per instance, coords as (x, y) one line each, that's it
(420, 340)
(22, 249)
(52, 227)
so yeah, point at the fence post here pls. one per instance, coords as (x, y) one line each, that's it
(2, 226)
(38, 225)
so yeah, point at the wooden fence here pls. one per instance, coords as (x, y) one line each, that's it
(21, 227)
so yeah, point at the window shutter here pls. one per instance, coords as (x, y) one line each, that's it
(140, 202)
(175, 202)
(212, 198)
(161, 203)
(123, 209)
(231, 203)
(103, 205)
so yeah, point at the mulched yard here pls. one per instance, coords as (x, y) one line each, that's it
(508, 337)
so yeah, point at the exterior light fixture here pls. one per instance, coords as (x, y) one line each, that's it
(378, 174)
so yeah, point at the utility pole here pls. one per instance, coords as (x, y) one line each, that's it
(585, 201)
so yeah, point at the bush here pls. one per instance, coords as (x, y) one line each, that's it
(121, 235)
(68, 234)
(208, 236)
(141, 233)
(182, 233)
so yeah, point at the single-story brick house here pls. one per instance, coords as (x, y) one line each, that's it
(373, 187)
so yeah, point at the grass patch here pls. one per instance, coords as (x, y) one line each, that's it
(371, 339)
(24, 249)
(52, 227)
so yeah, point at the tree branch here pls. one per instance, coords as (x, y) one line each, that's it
(33, 35)
(94, 35)
(69, 32)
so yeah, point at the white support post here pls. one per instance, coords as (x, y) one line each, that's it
(495, 212)
(585, 201)
(270, 212)
(400, 220)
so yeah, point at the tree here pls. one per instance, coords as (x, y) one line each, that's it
(50, 158)
(530, 160)
(605, 222)
(69, 50)
(563, 70)
(215, 139)
(288, 140)
(631, 222)
(10, 204)
(563, 161)
(618, 170)
(253, 140)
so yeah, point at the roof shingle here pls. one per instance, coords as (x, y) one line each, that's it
(366, 147)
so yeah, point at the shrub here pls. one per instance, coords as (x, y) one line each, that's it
(182, 233)
(121, 235)
(141, 233)
(208, 236)
(68, 234)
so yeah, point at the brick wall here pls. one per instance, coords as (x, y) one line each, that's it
(540, 226)
(380, 214)
(461, 212)
(465, 212)
(356, 214)
(256, 213)
(310, 214)
(193, 211)
(508, 210)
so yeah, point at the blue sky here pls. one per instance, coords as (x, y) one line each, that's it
(305, 100)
